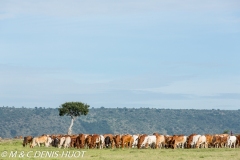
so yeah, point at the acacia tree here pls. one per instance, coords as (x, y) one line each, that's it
(73, 109)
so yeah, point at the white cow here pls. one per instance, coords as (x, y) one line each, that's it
(135, 141)
(62, 140)
(201, 140)
(67, 142)
(49, 142)
(152, 141)
(194, 141)
(149, 141)
(102, 140)
(231, 140)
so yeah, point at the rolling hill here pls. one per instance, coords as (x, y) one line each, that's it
(37, 121)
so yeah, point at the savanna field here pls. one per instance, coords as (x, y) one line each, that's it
(23, 121)
(13, 149)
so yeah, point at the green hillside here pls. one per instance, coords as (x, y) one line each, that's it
(38, 121)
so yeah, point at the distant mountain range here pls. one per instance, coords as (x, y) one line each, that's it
(37, 121)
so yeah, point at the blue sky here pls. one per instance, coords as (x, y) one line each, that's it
(158, 54)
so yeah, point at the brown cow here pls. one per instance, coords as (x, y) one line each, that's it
(238, 140)
(95, 141)
(224, 142)
(168, 141)
(77, 143)
(127, 140)
(73, 141)
(160, 140)
(216, 141)
(26, 140)
(140, 140)
(80, 140)
(117, 140)
(209, 139)
(220, 140)
(88, 141)
(190, 139)
(177, 140)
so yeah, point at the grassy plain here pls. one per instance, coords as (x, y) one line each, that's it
(12, 149)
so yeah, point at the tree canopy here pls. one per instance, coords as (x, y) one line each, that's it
(73, 109)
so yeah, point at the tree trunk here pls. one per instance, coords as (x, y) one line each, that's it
(70, 127)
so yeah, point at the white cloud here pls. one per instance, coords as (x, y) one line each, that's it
(200, 87)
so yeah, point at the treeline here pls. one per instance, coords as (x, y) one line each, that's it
(37, 121)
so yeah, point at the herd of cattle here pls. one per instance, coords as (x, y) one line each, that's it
(154, 141)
